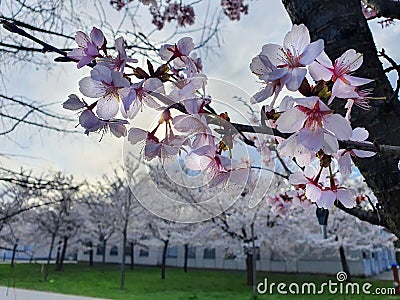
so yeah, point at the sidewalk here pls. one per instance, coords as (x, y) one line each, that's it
(388, 275)
(20, 294)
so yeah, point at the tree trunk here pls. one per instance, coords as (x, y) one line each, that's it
(249, 268)
(13, 255)
(104, 251)
(164, 258)
(91, 254)
(343, 260)
(62, 257)
(185, 263)
(46, 270)
(132, 255)
(122, 287)
(342, 26)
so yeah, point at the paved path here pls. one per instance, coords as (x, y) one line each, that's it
(388, 275)
(20, 294)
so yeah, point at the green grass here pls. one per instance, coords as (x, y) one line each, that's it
(144, 283)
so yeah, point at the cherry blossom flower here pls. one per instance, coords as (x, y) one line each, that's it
(74, 103)
(344, 83)
(139, 94)
(92, 123)
(179, 53)
(323, 196)
(197, 125)
(118, 63)
(88, 47)
(361, 100)
(262, 67)
(218, 168)
(344, 156)
(291, 59)
(317, 126)
(109, 86)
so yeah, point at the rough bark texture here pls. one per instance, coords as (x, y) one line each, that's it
(249, 269)
(343, 260)
(124, 233)
(63, 252)
(164, 259)
(46, 269)
(342, 26)
(185, 262)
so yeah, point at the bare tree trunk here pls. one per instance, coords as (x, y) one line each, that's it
(342, 25)
(104, 246)
(185, 263)
(343, 260)
(13, 255)
(46, 270)
(122, 287)
(249, 268)
(62, 257)
(164, 258)
(91, 254)
(132, 255)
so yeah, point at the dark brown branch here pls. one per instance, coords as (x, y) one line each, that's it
(34, 28)
(46, 47)
(370, 216)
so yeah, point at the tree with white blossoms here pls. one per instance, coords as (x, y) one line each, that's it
(101, 219)
(125, 208)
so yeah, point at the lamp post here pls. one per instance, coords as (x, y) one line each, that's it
(322, 216)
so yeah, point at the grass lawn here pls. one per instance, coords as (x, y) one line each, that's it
(144, 283)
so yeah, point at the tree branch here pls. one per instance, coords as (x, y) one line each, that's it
(385, 8)
(370, 216)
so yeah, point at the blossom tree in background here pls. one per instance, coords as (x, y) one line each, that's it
(315, 133)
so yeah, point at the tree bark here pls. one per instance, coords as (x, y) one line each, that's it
(13, 255)
(104, 246)
(342, 26)
(91, 254)
(164, 259)
(46, 270)
(132, 255)
(185, 262)
(249, 268)
(343, 260)
(124, 233)
(62, 257)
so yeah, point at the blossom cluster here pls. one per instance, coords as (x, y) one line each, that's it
(309, 129)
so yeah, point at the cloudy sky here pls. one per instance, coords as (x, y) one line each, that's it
(86, 157)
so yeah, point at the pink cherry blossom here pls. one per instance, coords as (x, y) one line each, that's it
(262, 67)
(344, 156)
(218, 168)
(361, 100)
(179, 53)
(344, 83)
(109, 86)
(291, 59)
(197, 125)
(117, 63)
(92, 123)
(315, 125)
(323, 196)
(74, 103)
(139, 94)
(88, 47)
